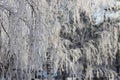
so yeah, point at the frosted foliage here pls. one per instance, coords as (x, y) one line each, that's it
(81, 37)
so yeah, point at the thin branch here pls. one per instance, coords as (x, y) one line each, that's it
(5, 30)
(6, 33)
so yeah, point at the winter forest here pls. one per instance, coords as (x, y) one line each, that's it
(59, 39)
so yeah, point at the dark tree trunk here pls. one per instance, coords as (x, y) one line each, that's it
(118, 62)
(63, 74)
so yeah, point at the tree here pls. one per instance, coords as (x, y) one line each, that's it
(78, 37)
